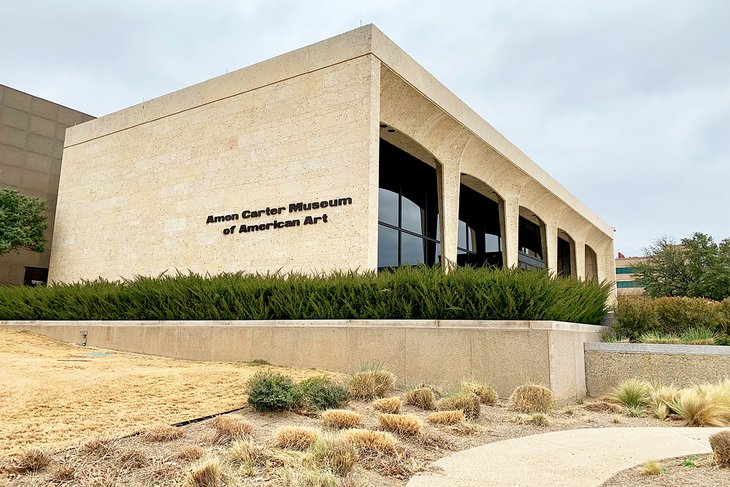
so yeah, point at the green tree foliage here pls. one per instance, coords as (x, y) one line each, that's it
(695, 267)
(22, 222)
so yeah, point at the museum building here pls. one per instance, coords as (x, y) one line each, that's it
(345, 154)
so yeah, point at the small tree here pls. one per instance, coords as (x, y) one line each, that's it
(22, 222)
(696, 267)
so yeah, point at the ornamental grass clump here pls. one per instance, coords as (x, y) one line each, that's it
(389, 405)
(31, 460)
(402, 424)
(162, 433)
(206, 473)
(296, 437)
(446, 417)
(468, 403)
(632, 393)
(228, 428)
(372, 384)
(333, 453)
(532, 398)
(487, 395)
(661, 398)
(720, 443)
(341, 418)
(698, 408)
(423, 398)
(366, 441)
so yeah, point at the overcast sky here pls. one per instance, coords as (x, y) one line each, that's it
(625, 103)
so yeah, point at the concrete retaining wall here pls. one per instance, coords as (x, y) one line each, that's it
(608, 364)
(506, 354)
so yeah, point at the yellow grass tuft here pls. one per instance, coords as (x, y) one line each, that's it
(64, 474)
(341, 418)
(423, 398)
(206, 473)
(250, 454)
(651, 468)
(390, 405)
(698, 409)
(536, 419)
(486, 394)
(31, 460)
(403, 424)
(367, 441)
(296, 437)
(371, 384)
(162, 433)
(468, 403)
(602, 407)
(308, 476)
(720, 443)
(532, 399)
(131, 459)
(333, 453)
(99, 447)
(229, 428)
(446, 417)
(190, 453)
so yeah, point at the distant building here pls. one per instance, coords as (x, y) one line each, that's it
(31, 144)
(625, 277)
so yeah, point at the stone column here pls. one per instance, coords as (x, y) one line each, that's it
(449, 182)
(580, 259)
(510, 210)
(551, 244)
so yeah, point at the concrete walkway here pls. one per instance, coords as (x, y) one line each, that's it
(581, 458)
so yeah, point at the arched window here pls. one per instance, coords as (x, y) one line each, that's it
(408, 229)
(479, 241)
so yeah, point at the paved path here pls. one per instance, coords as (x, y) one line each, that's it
(581, 458)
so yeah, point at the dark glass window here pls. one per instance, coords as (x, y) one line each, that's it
(564, 258)
(627, 284)
(479, 242)
(530, 245)
(408, 230)
(624, 270)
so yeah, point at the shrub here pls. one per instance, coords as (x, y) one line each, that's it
(403, 424)
(333, 453)
(296, 437)
(532, 399)
(320, 393)
(422, 397)
(269, 391)
(469, 404)
(446, 417)
(229, 428)
(635, 315)
(372, 384)
(32, 460)
(412, 293)
(162, 433)
(390, 405)
(206, 473)
(341, 418)
(720, 443)
(677, 314)
(631, 393)
(487, 395)
(366, 441)
(698, 409)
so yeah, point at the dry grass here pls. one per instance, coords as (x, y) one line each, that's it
(446, 417)
(698, 409)
(308, 477)
(536, 419)
(469, 404)
(422, 397)
(31, 460)
(333, 453)
(389, 405)
(486, 394)
(366, 441)
(162, 433)
(52, 395)
(252, 455)
(296, 437)
(64, 474)
(532, 398)
(100, 447)
(403, 424)
(602, 407)
(228, 428)
(341, 418)
(651, 468)
(371, 384)
(632, 393)
(193, 452)
(132, 459)
(720, 443)
(206, 473)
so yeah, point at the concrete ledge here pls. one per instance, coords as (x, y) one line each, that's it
(505, 354)
(609, 364)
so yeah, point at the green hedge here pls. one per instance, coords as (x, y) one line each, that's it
(406, 293)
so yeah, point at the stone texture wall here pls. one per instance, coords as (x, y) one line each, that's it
(506, 354)
(31, 143)
(609, 364)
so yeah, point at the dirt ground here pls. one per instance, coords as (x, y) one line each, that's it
(79, 411)
(690, 471)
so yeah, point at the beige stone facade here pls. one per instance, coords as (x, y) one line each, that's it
(626, 284)
(31, 144)
(180, 182)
